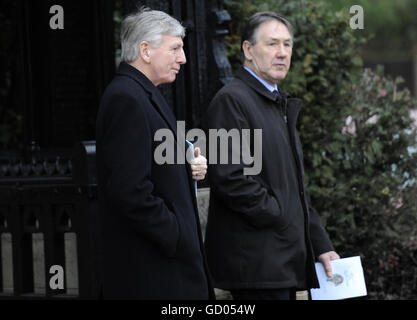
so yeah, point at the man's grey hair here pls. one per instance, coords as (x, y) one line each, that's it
(146, 25)
(250, 30)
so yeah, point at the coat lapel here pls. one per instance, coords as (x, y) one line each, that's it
(158, 101)
(164, 110)
(294, 104)
(250, 80)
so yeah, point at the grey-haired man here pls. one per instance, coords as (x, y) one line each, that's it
(152, 243)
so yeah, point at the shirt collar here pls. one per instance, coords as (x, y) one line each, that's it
(266, 84)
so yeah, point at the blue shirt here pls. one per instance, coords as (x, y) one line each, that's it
(266, 84)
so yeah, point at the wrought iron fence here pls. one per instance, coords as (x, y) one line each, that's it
(48, 226)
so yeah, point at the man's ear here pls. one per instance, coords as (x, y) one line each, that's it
(247, 46)
(144, 49)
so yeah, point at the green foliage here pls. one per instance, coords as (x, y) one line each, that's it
(236, 9)
(117, 20)
(358, 142)
(391, 24)
(372, 207)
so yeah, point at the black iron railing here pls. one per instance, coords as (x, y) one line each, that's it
(48, 226)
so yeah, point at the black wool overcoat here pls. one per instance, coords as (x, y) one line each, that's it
(151, 237)
(261, 231)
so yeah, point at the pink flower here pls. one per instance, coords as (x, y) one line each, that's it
(397, 203)
(413, 115)
(372, 120)
(350, 126)
(382, 93)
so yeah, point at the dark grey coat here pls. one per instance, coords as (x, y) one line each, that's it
(152, 242)
(262, 231)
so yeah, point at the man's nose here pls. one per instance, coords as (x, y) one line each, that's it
(181, 59)
(282, 51)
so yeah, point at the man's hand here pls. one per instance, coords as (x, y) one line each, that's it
(198, 165)
(325, 259)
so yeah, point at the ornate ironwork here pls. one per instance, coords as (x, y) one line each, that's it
(48, 192)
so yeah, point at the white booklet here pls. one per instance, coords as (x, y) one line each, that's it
(347, 281)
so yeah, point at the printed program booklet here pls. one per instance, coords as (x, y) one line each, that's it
(347, 281)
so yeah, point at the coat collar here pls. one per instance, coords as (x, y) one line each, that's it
(155, 95)
(251, 81)
(294, 104)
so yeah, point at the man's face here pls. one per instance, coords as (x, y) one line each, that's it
(166, 59)
(270, 57)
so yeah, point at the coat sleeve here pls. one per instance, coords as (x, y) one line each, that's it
(127, 156)
(238, 192)
(319, 237)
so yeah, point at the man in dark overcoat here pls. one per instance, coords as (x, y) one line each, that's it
(263, 236)
(151, 237)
